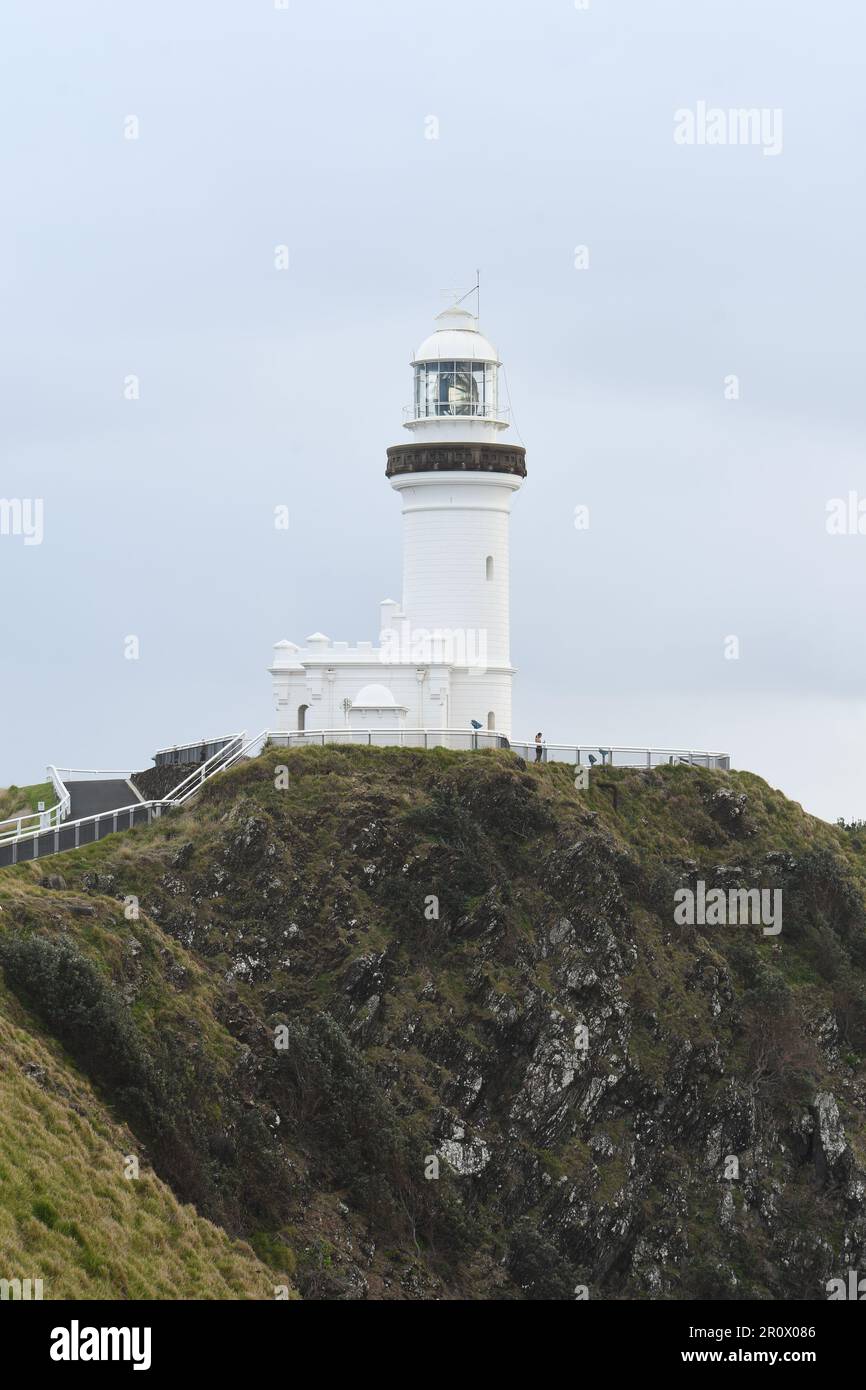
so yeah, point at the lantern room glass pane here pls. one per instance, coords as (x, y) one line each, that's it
(455, 388)
(446, 380)
(479, 394)
(490, 388)
(464, 394)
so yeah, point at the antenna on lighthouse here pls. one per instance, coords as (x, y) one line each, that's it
(476, 289)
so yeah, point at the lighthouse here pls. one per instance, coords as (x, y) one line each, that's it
(442, 662)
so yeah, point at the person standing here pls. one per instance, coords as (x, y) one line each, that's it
(539, 748)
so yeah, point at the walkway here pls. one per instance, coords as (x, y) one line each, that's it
(90, 798)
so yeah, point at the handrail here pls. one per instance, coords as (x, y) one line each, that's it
(229, 762)
(53, 815)
(97, 815)
(98, 771)
(19, 823)
(154, 805)
(64, 795)
(194, 743)
(473, 740)
(608, 755)
(190, 784)
(181, 793)
(198, 772)
(151, 808)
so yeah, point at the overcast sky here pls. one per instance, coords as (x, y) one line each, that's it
(307, 127)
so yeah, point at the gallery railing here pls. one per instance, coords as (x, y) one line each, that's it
(445, 410)
(590, 754)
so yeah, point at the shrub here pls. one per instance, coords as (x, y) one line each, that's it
(537, 1267)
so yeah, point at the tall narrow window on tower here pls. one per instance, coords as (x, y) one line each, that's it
(488, 567)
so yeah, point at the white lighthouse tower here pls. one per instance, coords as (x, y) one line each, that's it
(456, 482)
(443, 660)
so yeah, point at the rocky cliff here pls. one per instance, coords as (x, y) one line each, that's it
(425, 1025)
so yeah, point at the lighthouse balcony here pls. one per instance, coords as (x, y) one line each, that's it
(450, 410)
(465, 456)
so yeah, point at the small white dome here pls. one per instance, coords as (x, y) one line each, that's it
(457, 337)
(375, 697)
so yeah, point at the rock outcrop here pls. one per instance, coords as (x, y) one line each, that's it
(423, 1025)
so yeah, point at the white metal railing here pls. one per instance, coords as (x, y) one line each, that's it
(64, 796)
(243, 747)
(105, 773)
(194, 743)
(251, 748)
(37, 821)
(225, 758)
(16, 826)
(240, 746)
(133, 814)
(604, 755)
(601, 755)
(200, 772)
(441, 410)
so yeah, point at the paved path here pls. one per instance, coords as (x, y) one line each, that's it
(89, 798)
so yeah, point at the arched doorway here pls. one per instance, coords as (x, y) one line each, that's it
(491, 720)
(302, 717)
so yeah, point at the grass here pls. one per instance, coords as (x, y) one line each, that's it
(23, 801)
(70, 1217)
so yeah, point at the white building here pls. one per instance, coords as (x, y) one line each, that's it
(443, 656)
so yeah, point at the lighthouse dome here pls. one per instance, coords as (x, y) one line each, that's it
(457, 337)
(375, 697)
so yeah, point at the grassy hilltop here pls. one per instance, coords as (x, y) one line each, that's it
(340, 968)
(24, 801)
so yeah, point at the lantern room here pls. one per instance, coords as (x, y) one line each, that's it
(456, 393)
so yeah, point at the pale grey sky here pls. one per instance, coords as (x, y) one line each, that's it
(305, 126)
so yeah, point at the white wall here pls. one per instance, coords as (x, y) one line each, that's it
(451, 523)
